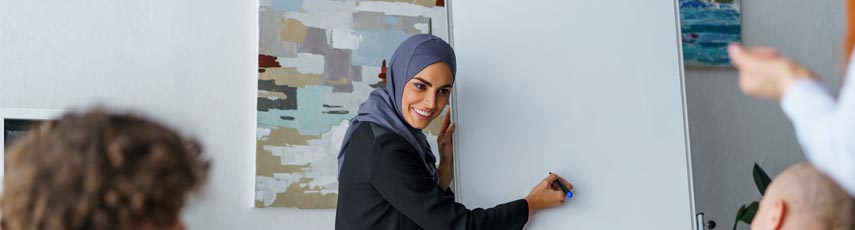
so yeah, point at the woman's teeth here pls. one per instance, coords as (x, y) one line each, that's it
(422, 112)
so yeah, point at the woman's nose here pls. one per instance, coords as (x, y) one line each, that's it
(429, 101)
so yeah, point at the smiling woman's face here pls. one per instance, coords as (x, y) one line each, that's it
(426, 94)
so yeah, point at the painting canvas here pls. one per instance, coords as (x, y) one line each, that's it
(318, 61)
(708, 26)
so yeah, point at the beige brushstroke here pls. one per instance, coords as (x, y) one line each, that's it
(340, 81)
(290, 76)
(268, 94)
(426, 3)
(295, 197)
(266, 164)
(287, 136)
(293, 30)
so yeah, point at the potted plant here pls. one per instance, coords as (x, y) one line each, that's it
(747, 211)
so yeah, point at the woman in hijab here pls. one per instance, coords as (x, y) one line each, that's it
(387, 173)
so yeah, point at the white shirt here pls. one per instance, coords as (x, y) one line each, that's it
(825, 126)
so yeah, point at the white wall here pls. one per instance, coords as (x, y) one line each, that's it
(190, 63)
(730, 131)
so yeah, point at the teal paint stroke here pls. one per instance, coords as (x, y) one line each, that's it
(390, 19)
(377, 45)
(309, 117)
(288, 5)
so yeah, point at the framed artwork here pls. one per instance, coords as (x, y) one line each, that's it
(707, 27)
(318, 61)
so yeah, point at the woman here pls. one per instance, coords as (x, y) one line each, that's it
(387, 173)
(825, 126)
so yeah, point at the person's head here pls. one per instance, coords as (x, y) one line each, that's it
(100, 171)
(422, 74)
(803, 198)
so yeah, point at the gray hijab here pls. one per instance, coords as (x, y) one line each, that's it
(383, 106)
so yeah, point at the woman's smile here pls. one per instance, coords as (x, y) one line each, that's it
(423, 114)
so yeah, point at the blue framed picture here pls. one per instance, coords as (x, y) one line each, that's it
(707, 27)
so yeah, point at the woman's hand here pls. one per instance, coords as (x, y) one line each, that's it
(446, 151)
(444, 140)
(546, 194)
(764, 73)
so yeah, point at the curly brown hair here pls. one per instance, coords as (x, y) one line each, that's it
(99, 171)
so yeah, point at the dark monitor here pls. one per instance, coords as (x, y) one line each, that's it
(16, 128)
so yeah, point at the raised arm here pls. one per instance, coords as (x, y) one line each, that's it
(825, 128)
(401, 178)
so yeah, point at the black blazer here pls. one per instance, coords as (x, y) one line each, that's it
(384, 184)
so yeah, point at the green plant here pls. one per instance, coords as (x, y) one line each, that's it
(746, 212)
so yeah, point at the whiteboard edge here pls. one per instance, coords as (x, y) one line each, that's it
(686, 133)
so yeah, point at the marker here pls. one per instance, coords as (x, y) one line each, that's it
(563, 188)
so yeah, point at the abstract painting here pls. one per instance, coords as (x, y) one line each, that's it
(318, 61)
(708, 26)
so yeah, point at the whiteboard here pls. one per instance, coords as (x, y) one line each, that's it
(591, 90)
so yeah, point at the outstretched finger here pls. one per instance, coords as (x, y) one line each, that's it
(743, 59)
(764, 51)
(738, 55)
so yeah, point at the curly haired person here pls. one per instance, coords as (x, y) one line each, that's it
(98, 170)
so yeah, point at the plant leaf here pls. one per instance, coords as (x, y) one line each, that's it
(749, 213)
(761, 179)
(738, 215)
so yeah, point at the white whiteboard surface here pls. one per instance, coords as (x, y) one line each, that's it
(591, 90)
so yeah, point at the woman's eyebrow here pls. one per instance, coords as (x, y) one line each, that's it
(429, 84)
(423, 81)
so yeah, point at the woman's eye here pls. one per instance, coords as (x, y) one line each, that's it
(445, 91)
(419, 85)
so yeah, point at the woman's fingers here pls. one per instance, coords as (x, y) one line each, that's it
(546, 194)
(446, 120)
(549, 179)
(557, 196)
(567, 184)
(738, 55)
(764, 51)
(749, 58)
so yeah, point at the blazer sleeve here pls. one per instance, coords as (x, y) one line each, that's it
(402, 179)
